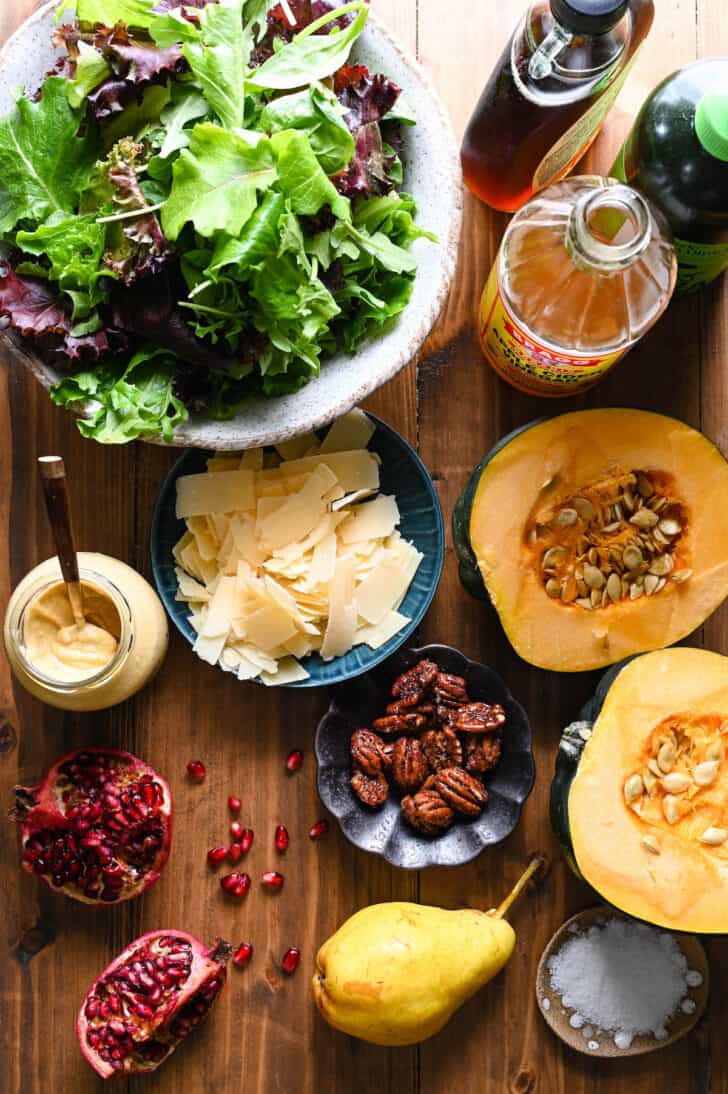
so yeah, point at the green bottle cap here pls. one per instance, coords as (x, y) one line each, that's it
(711, 124)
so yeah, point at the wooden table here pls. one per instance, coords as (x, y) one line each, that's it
(265, 1035)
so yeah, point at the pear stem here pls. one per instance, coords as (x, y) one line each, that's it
(533, 867)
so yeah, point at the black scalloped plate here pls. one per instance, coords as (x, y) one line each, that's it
(383, 831)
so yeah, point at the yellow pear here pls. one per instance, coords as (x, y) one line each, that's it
(394, 974)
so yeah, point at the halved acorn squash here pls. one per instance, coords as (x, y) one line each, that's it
(597, 535)
(640, 795)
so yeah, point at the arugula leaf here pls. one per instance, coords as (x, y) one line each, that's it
(74, 247)
(315, 110)
(378, 246)
(136, 401)
(302, 178)
(310, 56)
(217, 58)
(44, 165)
(257, 240)
(215, 181)
(187, 104)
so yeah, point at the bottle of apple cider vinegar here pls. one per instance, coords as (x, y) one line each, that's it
(549, 94)
(584, 270)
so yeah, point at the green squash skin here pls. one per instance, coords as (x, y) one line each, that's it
(467, 562)
(568, 757)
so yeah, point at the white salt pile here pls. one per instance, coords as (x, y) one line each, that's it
(623, 977)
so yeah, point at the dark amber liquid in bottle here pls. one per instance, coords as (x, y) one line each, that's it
(510, 134)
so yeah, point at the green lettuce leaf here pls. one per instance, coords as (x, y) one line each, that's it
(302, 179)
(44, 165)
(258, 239)
(310, 56)
(216, 182)
(135, 13)
(377, 246)
(317, 111)
(135, 401)
(186, 105)
(91, 70)
(74, 246)
(218, 58)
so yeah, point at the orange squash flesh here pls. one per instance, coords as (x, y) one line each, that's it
(683, 884)
(554, 461)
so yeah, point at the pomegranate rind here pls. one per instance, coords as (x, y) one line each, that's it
(207, 963)
(42, 806)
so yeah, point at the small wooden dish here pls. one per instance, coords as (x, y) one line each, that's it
(557, 1016)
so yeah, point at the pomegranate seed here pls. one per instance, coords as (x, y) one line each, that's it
(294, 760)
(282, 838)
(235, 884)
(235, 852)
(319, 829)
(236, 831)
(196, 770)
(272, 879)
(246, 840)
(234, 805)
(216, 855)
(243, 953)
(290, 960)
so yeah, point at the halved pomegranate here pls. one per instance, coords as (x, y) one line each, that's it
(98, 827)
(148, 1000)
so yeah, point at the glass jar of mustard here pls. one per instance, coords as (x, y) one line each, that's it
(95, 664)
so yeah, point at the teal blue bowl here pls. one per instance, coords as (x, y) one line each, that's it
(403, 474)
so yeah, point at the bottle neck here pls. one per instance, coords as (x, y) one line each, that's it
(608, 229)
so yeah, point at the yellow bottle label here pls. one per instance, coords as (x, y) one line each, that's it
(525, 362)
(570, 147)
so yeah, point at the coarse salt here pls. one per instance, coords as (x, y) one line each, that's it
(623, 977)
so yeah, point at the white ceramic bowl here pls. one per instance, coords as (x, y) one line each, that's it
(432, 176)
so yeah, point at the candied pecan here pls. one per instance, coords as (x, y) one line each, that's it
(425, 709)
(483, 753)
(450, 689)
(427, 812)
(399, 724)
(461, 791)
(409, 766)
(444, 715)
(479, 718)
(387, 750)
(366, 751)
(372, 790)
(412, 685)
(442, 749)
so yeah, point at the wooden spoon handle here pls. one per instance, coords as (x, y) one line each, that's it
(55, 489)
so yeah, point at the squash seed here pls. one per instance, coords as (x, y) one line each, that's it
(666, 757)
(566, 517)
(715, 751)
(553, 587)
(631, 557)
(584, 602)
(593, 577)
(614, 586)
(651, 583)
(661, 565)
(644, 485)
(679, 576)
(669, 808)
(651, 783)
(706, 772)
(676, 782)
(553, 557)
(650, 844)
(635, 591)
(669, 526)
(584, 508)
(655, 769)
(633, 789)
(713, 837)
(595, 598)
(644, 518)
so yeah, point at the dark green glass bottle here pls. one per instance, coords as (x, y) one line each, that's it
(677, 155)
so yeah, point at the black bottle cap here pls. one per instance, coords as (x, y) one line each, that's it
(588, 16)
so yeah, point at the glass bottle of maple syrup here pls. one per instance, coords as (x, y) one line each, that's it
(549, 94)
(584, 270)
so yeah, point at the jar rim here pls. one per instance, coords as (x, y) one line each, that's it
(100, 676)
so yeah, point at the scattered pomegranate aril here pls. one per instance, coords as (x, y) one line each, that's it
(272, 879)
(319, 829)
(216, 855)
(294, 760)
(243, 953)
(196, 770)
(290, 960)
(234, 805)
(246, 840)
(282, 839)
(235, 852)
(148, 1000)
(98, 827)
(235, 884)
(236, 830)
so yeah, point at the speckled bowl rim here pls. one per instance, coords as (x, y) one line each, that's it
(428, 846)
(187, 435)
(393, 645)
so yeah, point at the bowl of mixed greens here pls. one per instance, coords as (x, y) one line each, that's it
(222, 224)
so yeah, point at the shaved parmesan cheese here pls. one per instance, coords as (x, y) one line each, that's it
(381, 591)
(269, 626)
(297, 446)
(188, 588)
(209, 649)
(357, 470)
(352, 431)
(252, 460)
(374, 520)
(379, 634)
(182, 542)
(223, 606)
(218, 492)
(289, 672)
(323, 561)
(299, 513)
(223, 463)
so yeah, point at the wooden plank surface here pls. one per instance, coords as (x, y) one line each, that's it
(264, 1035)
